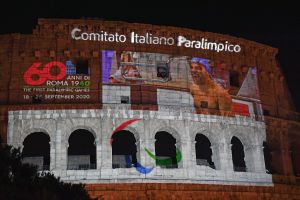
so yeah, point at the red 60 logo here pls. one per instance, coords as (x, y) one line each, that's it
(37, 76)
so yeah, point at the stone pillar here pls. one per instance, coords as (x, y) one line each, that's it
(52, 155)
(10, 129)
(187, 148)
(64, 155)
(260, 163)
(61, 147)
(141, 154)
(106, 149)
(184, 146)
(139, 145)
(106, 153)
(215, 156)
(150, 145)
(58, 152)
(193, 159)
(98, 153)
(254, 158)
(223, 156)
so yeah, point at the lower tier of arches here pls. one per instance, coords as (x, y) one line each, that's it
(121, 145)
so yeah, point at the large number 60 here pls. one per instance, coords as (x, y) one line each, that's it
(41, 75)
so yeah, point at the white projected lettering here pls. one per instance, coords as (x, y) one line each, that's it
(151, 39)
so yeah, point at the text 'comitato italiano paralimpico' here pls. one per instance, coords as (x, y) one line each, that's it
(150, 39)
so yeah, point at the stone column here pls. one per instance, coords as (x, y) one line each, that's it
(10, 129)
(106, 153)
(64, 155)
(260, 163)
(106, 149)
(215, 156)
(193, 159)
(187, 148)
(52, 155)
(141, 141)
(139, 155)
(61, 147)
(98, 153)
(254, 158)
(146, 141)
(184, 147)
(58, 148)
(222, 156)
(150, 145)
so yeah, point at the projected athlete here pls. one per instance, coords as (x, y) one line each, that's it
(127, 72)
(206, 92)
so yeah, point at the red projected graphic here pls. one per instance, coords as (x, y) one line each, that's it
(37, 76)
(241, 109)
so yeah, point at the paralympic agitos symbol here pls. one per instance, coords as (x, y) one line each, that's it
(140, 168)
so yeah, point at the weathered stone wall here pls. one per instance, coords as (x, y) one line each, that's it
(51, 41)
(59, 124)
(191, 191)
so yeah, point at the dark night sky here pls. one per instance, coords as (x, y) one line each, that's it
(275, 24)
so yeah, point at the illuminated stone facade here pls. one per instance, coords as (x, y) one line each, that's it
(59, 124)
(100, 107)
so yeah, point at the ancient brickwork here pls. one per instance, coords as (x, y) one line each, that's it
(160, 107)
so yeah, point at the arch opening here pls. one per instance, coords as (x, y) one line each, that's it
(203, 151)
(36, 150)
(238, 155)
(165, 150)
(124, 150)
(82, 150)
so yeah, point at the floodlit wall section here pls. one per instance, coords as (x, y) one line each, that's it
(142, 74)
(144, 125)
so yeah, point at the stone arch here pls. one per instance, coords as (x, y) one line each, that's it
(125, 148)
(36, 150)
(238, 154)
(243, 137)
(214, 139)
(82, 150)
(166, 150)
(204, 131)
(88, 128)
(170, 130)
(164, 127)
(203, 150)
(27, 132)
(134, 132)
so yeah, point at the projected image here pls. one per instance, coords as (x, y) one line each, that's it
(213, 69)
(179, 80)
(134, 67)
(124, 151)
(219, 74)
(208, 90)
(57, 80)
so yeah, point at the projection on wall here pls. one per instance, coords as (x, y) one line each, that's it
(56, 80)
(207, 81)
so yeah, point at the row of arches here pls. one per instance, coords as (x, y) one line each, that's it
(82, 150)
